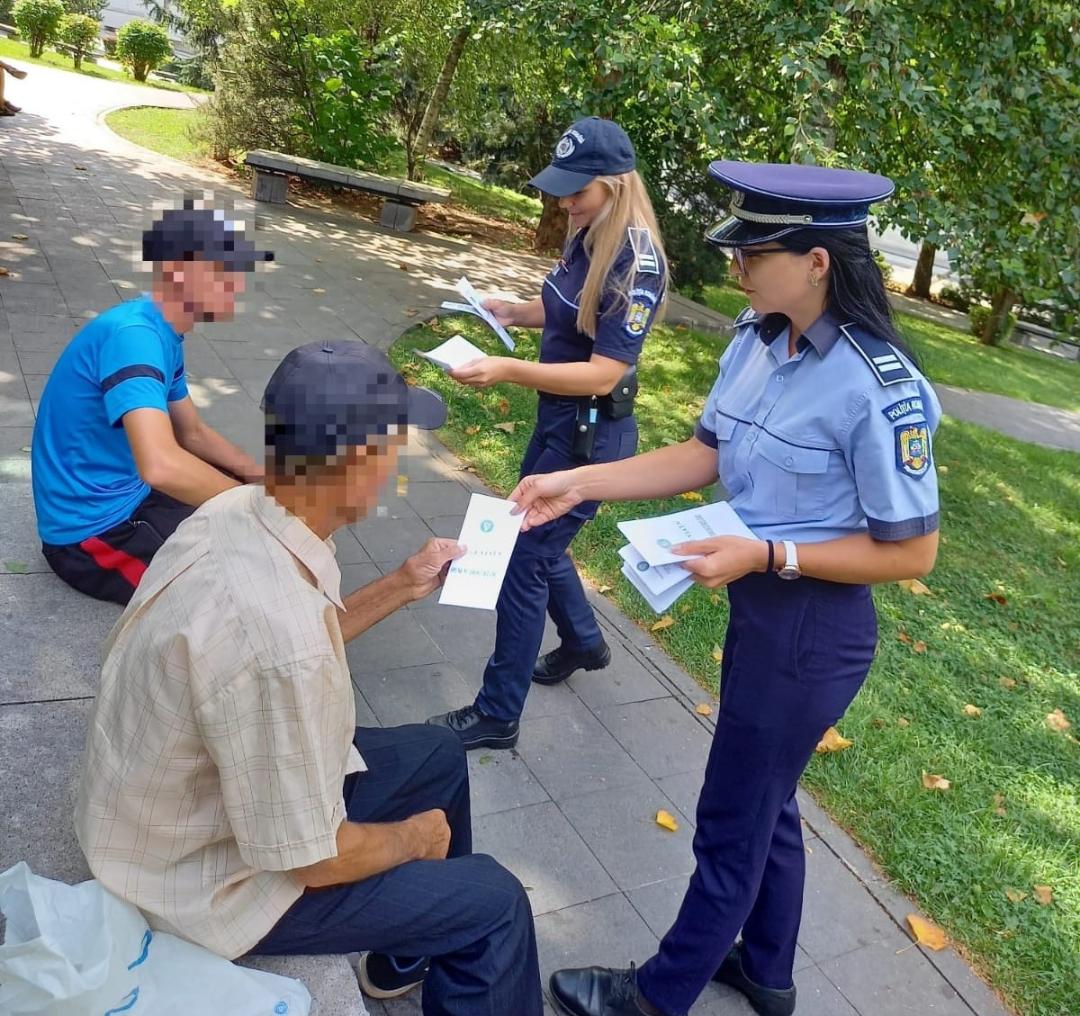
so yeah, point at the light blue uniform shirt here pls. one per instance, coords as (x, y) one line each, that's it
(832, 441)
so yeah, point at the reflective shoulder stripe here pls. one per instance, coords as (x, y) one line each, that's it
(880, 357)
(646, 259)
(746, 316)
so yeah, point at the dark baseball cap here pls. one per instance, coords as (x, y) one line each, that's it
(590, 148)
(186, 234)
(327, 396)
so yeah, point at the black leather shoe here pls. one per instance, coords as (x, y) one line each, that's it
(764, 1001)
(559, 664)
(598, 991)
(477, 729)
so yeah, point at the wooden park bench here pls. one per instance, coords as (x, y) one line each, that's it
(1048, 341)
(270, 172)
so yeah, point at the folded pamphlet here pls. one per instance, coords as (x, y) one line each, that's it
(453, 353)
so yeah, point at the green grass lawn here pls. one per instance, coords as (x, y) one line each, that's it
(50, 58)
(953, 357)
(168, 131)
(1011, 532)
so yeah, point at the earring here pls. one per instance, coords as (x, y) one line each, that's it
(814, 281)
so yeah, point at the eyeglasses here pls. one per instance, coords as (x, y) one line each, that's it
(744, 259)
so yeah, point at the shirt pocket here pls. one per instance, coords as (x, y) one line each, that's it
(726, 445)
(790, 479)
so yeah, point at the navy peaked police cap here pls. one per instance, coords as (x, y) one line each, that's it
(590, 148)
(769, 200)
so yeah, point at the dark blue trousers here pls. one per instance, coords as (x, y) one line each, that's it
(541, 578)
(469, 914)
(795, 655)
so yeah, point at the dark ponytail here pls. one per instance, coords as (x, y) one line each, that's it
(856, 288)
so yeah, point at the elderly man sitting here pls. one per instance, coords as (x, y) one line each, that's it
(226, 790)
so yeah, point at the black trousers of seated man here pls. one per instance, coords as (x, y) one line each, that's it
(467, 913)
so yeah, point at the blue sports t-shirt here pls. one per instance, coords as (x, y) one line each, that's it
(84, 475)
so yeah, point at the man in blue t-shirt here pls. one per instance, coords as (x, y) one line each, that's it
(120, 456)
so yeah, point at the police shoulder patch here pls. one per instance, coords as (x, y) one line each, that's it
(913, 448)
(642, 302)
(646, 259)
(905, 407)
(880, 357)
(747, 316)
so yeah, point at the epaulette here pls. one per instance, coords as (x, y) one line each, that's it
(646, 260)
(880, 357)
(747, 316)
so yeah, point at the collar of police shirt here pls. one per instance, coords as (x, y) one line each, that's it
(822, 334)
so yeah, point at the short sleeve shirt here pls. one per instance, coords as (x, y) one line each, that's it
(223, 727)
(623, 321)
(83, 472)
(832, 441)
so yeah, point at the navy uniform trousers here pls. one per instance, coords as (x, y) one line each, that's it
(541, 579)
(469, 914)
(795, 655)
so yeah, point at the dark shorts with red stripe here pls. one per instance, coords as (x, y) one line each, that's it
(108, 566)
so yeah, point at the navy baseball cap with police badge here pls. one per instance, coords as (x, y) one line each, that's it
(328, 396)
(770, 200)
(205, 234)
(590, 148)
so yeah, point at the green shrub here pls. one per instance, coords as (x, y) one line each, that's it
(38, 22)
(883, 266)
(142, 46)
(980, 314)
(80, 32)
(955, 297)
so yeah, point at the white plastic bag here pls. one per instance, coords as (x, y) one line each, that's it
(77, 950)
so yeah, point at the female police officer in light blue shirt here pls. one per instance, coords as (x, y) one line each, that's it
(596, 308)
(819, 426)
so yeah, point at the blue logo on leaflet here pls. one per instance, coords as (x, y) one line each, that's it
(643, 566)
(487, 526)
(662, 542)
(281, 1008)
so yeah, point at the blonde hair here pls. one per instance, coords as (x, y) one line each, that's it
(628, 206)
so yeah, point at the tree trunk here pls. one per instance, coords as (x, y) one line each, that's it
(551, 231)
(434, 106)
(998, 321)
(924, 271)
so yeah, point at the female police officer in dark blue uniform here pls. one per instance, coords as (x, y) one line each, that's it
(819, 426)
(596, 308)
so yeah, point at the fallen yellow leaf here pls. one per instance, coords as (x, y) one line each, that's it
(508, 427)
(474, 429)
(927, 933)
(904, 637)
(903, 721)
(603, 589)
(970, 710)
(1006, 682)
(703, 709)
(943, 470)
(691, 495)
(714, 599)
(18, 236)
(999, 805)
(503, 406)
(318, 290)
(1043, 894)
(832, 740)
(1015, 895)
(718, 654)
(919, 647)
(666, 820)
(665, 622)
(933, 782)
(402, 485)
(914, 586)
(1057, 721)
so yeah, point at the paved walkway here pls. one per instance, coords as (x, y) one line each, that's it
(571, 811)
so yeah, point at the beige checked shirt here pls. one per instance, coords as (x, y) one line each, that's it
(223, 727)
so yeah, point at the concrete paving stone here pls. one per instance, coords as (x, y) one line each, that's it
(573, 754)
(349, 550)
(412, 694)
(35, 300)
(35, 385)
(607, 932)
(544, 700)
(19, 541)
(365, 715)
(14, 461)
(816, 997)
(442, 497)
(542, 849)
(395, 642)
(683, 790)
(42, 331)
(41, 746)
(624, 680)
(619, 826)
(390, 541)
(51, 636)
(392, 506)
(76, 267)
(330, 979)
(833, 922)
(464, 635)
(355, 576)
(500, 781)
(885, 979)
(660, 734)
(16, 409)
(420, 467)
(39, 361)
(658, 902)
(446, 526)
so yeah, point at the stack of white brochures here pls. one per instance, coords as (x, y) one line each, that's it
(488, 532)
(474, 305)
(453, 353)
(648, 563)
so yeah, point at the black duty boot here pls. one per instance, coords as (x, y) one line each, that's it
(599, 991)
(382, 976)
(477, 729)
(559, 664)
(764, 1001)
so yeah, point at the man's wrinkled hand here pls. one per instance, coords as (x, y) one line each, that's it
(430, 835)
(426, 570)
